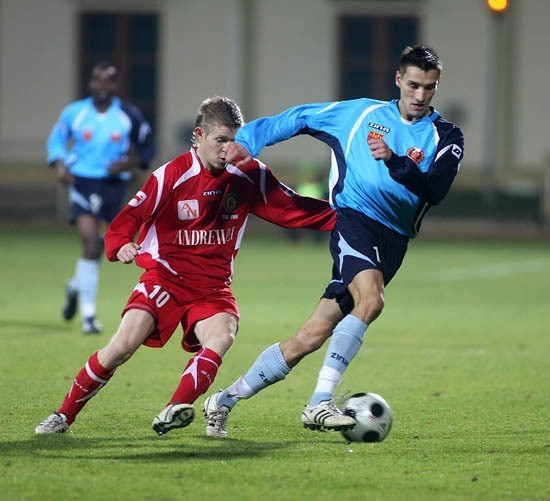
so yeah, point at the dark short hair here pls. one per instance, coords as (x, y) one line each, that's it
(219, 110)
(421, 56)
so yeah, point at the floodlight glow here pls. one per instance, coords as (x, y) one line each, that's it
(497, 5)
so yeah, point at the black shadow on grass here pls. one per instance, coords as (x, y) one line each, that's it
(146, 449)
(40, 328)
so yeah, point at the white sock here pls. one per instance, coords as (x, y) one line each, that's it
(328, 379)
(87, 280)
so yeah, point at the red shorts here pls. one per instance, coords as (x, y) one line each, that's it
(174, 301)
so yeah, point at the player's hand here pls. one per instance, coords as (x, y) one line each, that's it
(236, 150)
(379, 149)
(128, 252)
(117, 167)
(127, 163)
(64, 175)
(124, 165)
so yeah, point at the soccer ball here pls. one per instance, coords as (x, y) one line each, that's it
(373, 415)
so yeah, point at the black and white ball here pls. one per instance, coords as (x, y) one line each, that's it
(373, 415)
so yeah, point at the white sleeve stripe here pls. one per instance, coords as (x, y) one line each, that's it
(144, 130)
(237, 172)
(455, 150)
(326, 108)
(79, 118)
(262, 182)
(358, 123)
(159, 174)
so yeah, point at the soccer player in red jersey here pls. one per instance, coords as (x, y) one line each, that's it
(190, 217)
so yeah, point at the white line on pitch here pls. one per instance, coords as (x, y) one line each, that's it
(493, 270)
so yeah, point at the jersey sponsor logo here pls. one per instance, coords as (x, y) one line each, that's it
(188, 209)
(209, 193)
(116, 136)
(230, 202)
(376, 126)
(138, 199)
(374, 135)
(415, 154)
(216, 236)
(456, 151)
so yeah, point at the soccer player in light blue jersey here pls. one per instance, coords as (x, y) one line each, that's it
(94, 145)
(391, 161)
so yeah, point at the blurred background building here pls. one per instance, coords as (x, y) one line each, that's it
(270, 54)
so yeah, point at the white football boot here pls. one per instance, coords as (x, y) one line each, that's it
(326, 415)
(216, 417)
(172, 417)
(56, 423)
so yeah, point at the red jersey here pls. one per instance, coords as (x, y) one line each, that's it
(191, 221)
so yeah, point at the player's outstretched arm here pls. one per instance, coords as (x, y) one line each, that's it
(284, 207)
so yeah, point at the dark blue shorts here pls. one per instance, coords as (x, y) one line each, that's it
(100, 197)
(359, 243)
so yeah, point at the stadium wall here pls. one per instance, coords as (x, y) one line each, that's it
(269, 55)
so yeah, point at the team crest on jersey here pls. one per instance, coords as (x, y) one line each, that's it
(116, 136)
(415, 154)
(230, 203)
(138, 199)
(188, 209)
(374, 135)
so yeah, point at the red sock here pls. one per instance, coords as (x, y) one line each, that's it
(91, 378)
(197, 377)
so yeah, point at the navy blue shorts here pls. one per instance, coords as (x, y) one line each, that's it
(359, 243)
(100, 197)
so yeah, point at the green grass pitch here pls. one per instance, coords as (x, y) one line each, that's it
(460, 353)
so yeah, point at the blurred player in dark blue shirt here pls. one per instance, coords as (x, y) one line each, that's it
(94, 146)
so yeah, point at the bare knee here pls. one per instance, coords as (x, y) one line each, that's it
(367, 290)
(89, 232)
(115, 354)
(217, 332)
(92, 247)
(135, 328)
(369, 308)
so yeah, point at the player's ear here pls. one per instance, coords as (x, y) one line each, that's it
(398, 79)
(199, 133)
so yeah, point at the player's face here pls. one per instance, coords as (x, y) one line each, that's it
(103, 86)
(417, 90)
(212, 143)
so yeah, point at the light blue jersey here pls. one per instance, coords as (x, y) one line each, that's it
(397, 192)
(89, 141)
